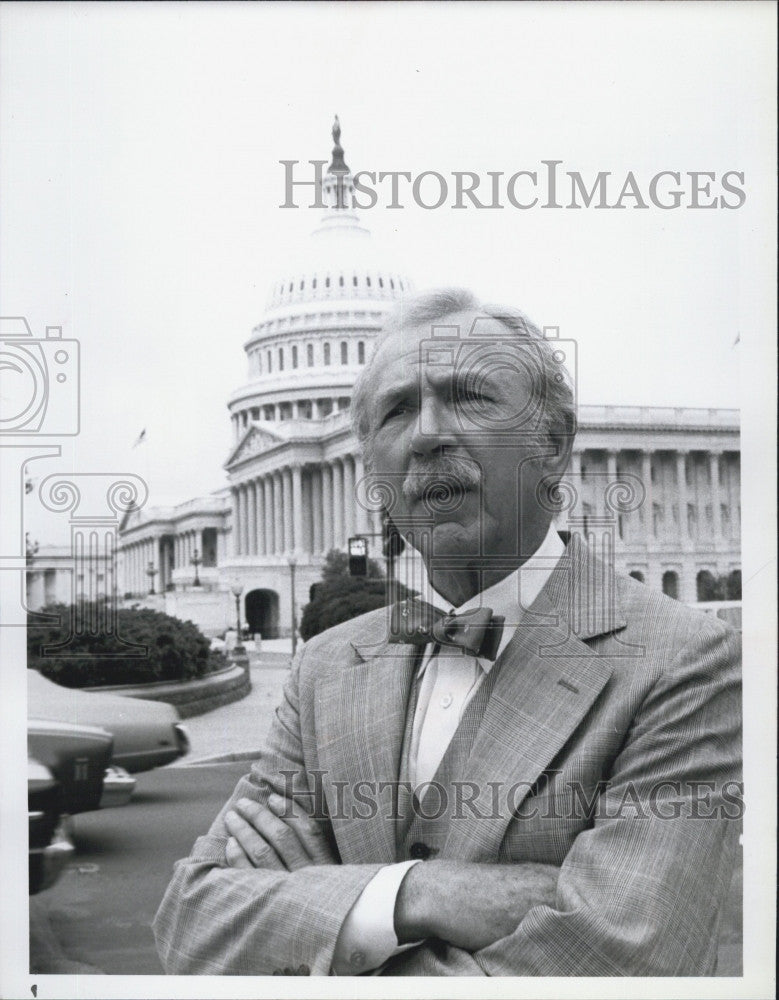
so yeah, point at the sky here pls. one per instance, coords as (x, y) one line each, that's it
(141, 190)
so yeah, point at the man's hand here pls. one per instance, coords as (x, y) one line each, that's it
(470, 905)
(279, 836)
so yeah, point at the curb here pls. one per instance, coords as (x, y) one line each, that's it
(222, 758)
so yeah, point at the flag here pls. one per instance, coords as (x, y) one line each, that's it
(141, 438)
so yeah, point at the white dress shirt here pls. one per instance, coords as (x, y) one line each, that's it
(448, 682)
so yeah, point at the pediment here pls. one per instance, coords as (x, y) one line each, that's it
(255, 441)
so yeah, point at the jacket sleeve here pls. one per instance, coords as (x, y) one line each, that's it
(219, 920)
(640, 891)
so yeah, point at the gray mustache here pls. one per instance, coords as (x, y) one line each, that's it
(426, 476)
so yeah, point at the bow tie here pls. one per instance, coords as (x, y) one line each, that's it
(476, 632)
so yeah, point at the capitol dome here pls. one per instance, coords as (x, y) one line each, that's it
(321, 316)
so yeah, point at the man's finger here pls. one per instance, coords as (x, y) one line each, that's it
(273, 832)
(235, 855)
(309, 832)
(252, 845)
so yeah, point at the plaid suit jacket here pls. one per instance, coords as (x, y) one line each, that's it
(612, 736)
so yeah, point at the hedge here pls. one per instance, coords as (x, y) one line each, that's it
(170, 649)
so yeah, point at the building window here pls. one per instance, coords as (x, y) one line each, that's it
(360, 352)
(344, 353)
(400, 282)
(281, 359)
(294, 355)
(354, 281)
(302, 285)
(368, 280)
(313, 284)
(290, 286)
(671, 584)
(637, 575)
(270, 362)
(326, 350)
(327, 282)
(310, 355)
(341, 281)
(381, 282)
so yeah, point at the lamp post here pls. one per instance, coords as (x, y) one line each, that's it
(151, 572)
(292, 563)
(237, 589)
(196, 561)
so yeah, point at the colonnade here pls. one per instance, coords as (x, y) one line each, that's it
(689, 494)
(301, 509)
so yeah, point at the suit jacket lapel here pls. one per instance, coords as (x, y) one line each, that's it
(549, 678)
(360, 716)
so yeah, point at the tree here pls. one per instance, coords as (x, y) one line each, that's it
(340, 597)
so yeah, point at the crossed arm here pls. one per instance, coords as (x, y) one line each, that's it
(464, 904)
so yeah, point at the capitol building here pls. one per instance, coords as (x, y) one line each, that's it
(295, 470)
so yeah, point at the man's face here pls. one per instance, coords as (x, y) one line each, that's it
(460, 409)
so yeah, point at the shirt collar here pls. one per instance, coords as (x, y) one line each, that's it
(509, 596)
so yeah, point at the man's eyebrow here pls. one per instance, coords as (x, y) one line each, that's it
(399, 393)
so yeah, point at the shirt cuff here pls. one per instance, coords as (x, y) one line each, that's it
(367, 938)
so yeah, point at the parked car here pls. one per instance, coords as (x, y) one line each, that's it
(50, 847)
(76, 755)
(146, 733)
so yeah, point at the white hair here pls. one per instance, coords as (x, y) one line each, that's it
(556, 387)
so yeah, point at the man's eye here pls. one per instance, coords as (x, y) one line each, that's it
(397, 411)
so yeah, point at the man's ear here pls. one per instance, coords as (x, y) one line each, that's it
(562, 440)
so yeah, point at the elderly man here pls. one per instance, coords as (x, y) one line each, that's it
(532, 771)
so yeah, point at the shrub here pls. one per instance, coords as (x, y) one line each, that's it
(340, 597)
(174, 650)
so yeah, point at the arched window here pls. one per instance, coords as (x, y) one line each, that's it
(706, 586)
(360, 352)
(294, 355)
(734, 585)
(671, 584)
(281, 359)
(344, 353)
(326, 350)
(310, 355)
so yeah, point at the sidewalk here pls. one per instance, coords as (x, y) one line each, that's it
(239, 728)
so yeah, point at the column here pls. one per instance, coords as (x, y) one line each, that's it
(260, 517)
(349, 518)
(646, 476)
(611, 466)
(715, 495)
(286, 480)
(251, 520)
(267, 498)
(327, 508)
(338, 504)
(681, 490)
(297, 510)
(363, 526)
(278, 528)
(316, 510)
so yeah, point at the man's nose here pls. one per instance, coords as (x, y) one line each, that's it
(434, 428)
